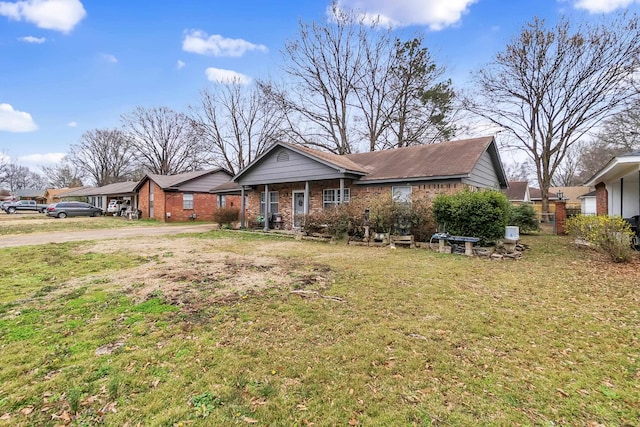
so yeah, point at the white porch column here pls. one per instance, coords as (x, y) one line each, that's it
(242, 206)
(341, 190)
(267, 203)
(306, 198)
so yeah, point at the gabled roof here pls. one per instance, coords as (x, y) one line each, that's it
(536, 194)
(518, 191)
(570, 194)
(115, 188)
(30, 192)
(335, 161)
(227, 187)
(617, 167)
(453, 159)
(446, 160)
(172, 182)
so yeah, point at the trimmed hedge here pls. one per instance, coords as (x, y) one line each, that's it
(482, 214)
(525, 218)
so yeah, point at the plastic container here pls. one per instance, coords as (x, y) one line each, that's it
(512, 232)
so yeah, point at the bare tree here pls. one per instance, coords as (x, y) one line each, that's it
(620, 134)
(4, 165)
(104, 155)
(236, 123)
(324, 65)
(163, 140)
(519, 171)
(63, 174)
(551, 86)
(18, 177)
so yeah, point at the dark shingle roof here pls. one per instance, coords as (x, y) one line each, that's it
(517, 190)
(445, 159)
(168, 181)
(115, 188)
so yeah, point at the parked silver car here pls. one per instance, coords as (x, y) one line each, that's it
(65, 209)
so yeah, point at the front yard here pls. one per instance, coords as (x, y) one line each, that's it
(230, 328)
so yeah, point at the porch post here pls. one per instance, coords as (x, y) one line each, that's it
(242, 206)
(341, 190)
(266, 207)
(306, 198)
(622, 197)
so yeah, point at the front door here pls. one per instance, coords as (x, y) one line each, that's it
(298, 209)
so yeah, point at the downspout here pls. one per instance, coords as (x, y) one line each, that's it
(341, 191)
(266, 207)
(242, 207)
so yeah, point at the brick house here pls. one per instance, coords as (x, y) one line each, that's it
(185, 196)
(288, 181)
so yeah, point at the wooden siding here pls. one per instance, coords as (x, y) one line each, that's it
(484, 174)
(296, 168)
(205, 183)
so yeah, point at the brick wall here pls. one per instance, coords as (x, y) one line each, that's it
(358, 192)
(602, 199)
(143, 199)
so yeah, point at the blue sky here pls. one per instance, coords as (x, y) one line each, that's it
(69, 66)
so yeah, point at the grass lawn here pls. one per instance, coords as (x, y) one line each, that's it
(228, 328)
(25, 223)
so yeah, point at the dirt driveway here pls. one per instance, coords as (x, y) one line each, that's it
(100, 234)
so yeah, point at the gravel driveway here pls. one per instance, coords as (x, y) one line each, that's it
(105, 234)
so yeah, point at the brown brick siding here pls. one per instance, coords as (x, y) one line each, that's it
(602, 199)
(358, 192)
(561, 217)
(204, 204)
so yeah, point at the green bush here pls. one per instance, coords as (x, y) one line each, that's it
(225, 216)
(482, 214)
(609, 234)
(524, 217)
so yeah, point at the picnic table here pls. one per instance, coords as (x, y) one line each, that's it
(468, 241)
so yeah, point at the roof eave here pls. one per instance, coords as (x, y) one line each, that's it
(410, 179)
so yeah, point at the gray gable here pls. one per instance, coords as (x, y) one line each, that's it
(283, 164)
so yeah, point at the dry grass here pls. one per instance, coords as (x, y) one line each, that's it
(204, 330)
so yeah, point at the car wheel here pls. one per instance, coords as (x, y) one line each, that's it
(62, 215)
(97, 214)
(11, 210)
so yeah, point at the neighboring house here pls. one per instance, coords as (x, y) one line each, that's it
(518, 192)
(183, 196)
(31, 194)
(100, 196)
(54, 195)
(618, 186)
(571, 195)
(293, 181)
(588, 203)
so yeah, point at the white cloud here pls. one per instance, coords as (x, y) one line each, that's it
(59, 15)
(107, 57)
(218, 75)
(15, 121)
(180, 65)
(41, 159)
(31, 39)
(72, 124)
(197, 41)
(436, 14)
(603, 6)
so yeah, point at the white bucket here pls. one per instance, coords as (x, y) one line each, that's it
(512, 232)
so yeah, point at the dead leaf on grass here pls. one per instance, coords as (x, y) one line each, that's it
(5, 417)
(26, 410)
(249, 420)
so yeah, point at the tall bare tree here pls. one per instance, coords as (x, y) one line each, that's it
(17, 177)
(552, 84)
(103, 155)
(163, 140)
(63, 174)
(236, 123)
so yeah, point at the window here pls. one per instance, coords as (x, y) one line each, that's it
(331, 197)
(273, 202)
(187, 201)
(222, 201)
(401, 194)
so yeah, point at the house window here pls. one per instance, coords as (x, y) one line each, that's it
(273, 202)
(222, 201)
(331, 197)
(187, 201)
(401, 193)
